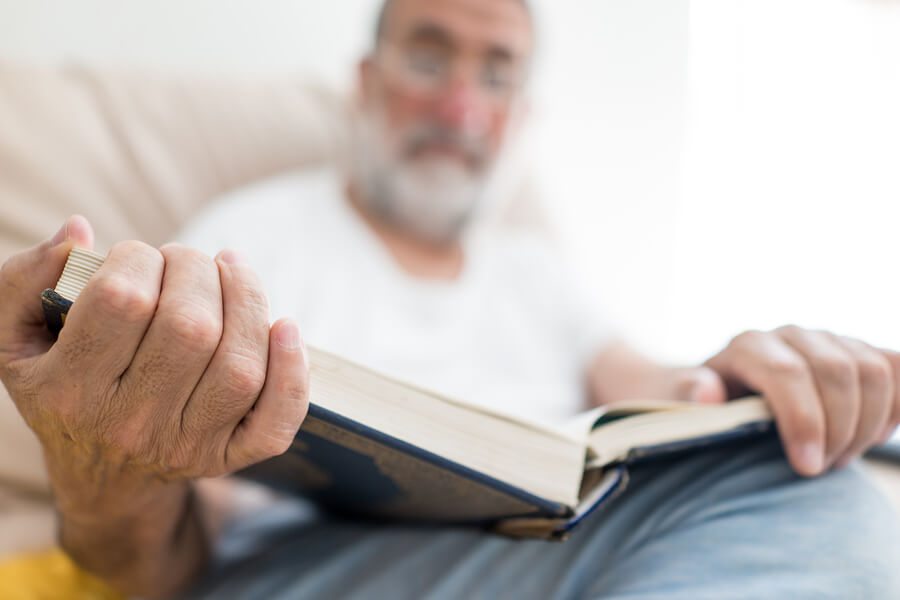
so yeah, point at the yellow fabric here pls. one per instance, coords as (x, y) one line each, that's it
(50, 576)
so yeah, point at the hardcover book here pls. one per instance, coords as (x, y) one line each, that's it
(376, 447)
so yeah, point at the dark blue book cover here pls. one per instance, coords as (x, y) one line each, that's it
(353, 469)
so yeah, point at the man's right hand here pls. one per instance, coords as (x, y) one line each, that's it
(166, 370)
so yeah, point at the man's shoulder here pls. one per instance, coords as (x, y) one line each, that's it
(291, 194)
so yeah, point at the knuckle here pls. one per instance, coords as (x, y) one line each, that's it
(836, 369)
(177, 252)
(876, 369)
(128, 247)
(746, 338)
(841, 438)
(193, 327)
(296, 388)
(243, 375)
(274, 443)
(138, 256)
(790, 330)
(254, 297)
(786, 366)
(805, 423)
(295, 393)
(116, 296)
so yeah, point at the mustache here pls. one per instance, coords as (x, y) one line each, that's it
(472, 147)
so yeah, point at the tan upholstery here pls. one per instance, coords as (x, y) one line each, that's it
(138, 152)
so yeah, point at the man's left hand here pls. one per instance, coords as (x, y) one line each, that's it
(833, 397)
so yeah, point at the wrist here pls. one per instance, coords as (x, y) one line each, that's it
(90, 487)
(148, 552)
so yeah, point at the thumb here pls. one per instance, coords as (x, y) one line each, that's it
(700, 385)
(25, 275)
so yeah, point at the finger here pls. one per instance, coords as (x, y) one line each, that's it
(269, 427)
(837, 381)
(764, 362)
(877, 384)
(894, 419)
(700, 385)
(22, 279)
(237, 372)
(181, 338)
(105, 325)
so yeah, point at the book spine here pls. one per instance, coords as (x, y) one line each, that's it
(559, 529)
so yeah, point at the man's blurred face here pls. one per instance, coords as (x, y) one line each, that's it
(438, 95)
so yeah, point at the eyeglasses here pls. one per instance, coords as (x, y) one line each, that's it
(429, 69)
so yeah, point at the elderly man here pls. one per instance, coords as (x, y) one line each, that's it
(168, 371)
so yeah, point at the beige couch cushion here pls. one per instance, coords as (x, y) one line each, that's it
(137, 152)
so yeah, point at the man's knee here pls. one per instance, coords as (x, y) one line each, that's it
(741, 520)
(862, 528)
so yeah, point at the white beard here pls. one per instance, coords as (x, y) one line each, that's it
(434, 198)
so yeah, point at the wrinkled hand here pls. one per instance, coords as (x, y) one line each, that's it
(166, 370)
(833, 397)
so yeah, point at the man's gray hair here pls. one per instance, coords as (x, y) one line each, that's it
(381, 19)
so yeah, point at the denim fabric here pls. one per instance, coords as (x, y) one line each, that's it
(729, 523)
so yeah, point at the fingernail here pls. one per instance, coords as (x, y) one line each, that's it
(60, 235)
(288, 336)
(230, 257)
(887, 434)
(811, 457)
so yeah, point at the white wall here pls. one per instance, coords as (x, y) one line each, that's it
(609, 120)
(712, 165)
(275, 36)
(791, 171)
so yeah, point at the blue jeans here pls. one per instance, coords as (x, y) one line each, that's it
(728, 523)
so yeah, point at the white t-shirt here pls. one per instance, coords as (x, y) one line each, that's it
(512, 333)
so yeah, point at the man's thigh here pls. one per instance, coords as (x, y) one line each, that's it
(730, 523)
(740, 524)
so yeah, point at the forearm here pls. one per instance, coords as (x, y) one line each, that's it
(143, 537)
(621, 373)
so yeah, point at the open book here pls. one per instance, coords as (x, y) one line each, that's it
(378, 447)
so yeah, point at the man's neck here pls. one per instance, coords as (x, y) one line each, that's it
(417, 257)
